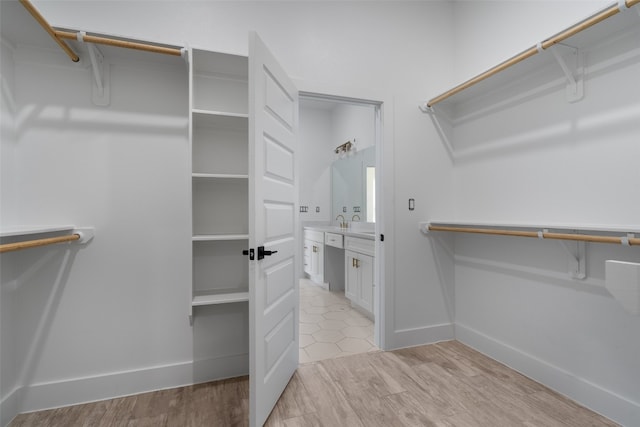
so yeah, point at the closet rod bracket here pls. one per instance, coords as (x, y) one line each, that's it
(85, 233)
(426, 108)
(575, 78)
(100, 91)
(577, 261)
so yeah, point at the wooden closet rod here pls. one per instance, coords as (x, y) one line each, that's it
(58, 35)
(71, 35)
(581, 26)
(10, 247)
(635, 241)
(49, 29)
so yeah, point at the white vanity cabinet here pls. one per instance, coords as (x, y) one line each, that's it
(359, 261)
(314, 255)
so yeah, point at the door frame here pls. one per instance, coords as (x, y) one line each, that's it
(379, 267)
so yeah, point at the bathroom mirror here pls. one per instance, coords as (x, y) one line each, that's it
(353, 186)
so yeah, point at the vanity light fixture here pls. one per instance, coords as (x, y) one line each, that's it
(345, 148)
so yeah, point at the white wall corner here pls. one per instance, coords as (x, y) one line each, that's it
(412, 337)
(9, 407)
(623, 282)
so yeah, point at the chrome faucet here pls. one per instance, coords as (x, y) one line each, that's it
(343, 223)
(353, 218)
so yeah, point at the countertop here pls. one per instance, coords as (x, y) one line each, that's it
(362, 234)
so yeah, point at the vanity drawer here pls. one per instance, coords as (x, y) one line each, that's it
(316, 236)
(363, 246)
(333, 239)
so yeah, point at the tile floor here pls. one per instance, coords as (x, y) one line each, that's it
(329, 326)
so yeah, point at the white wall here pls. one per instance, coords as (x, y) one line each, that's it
(489, 32)
(354, 122)
(316, 156)
(543, 161)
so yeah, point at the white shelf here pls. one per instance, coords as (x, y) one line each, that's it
(527, 75)
(550, 226)
(219, 176)
(213, 298)
(203, 115)
(12, 231)
(206, 62)
(219, 237)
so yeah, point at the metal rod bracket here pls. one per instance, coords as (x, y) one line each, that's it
(100, 90)
(85, 233)
(426, 108)
(575, 79)
(577, 259)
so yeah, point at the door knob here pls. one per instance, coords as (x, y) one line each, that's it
(262, 252)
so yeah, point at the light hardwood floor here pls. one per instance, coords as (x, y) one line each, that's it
(444, 384)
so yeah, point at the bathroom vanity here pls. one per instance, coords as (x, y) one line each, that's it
(342, 259)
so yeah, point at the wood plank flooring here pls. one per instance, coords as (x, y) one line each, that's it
(445, 384)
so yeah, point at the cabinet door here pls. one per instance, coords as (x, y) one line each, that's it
(365, 276)
(273, 190)
(317, 260)
(351, 276)
(308, 247)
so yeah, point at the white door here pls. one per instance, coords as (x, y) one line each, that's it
(273, 223)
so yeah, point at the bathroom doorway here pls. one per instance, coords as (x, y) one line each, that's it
(340, 212)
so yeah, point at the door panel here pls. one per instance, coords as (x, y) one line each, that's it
(278, 219)
(279, 160)
(273, 223)
(351, 276)
(365, 271)
(277, 281)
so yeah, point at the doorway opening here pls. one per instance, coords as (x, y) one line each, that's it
(341, 217)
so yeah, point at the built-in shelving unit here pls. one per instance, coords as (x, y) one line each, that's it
(542, 67)
(220, 180)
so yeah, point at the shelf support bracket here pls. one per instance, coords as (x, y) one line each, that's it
(575, 83)
(100, 93)
(426, 108)
(577, 260)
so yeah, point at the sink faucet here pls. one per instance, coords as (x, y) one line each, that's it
(353, 218)
(343, 223)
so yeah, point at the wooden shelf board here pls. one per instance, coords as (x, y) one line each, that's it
(219, 120)
(212, 298)
(198, 175)
(219, 237)
(199, 112)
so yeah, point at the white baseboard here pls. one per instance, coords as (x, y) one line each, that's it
(592, 396)
(419, 336)
(90, 389)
